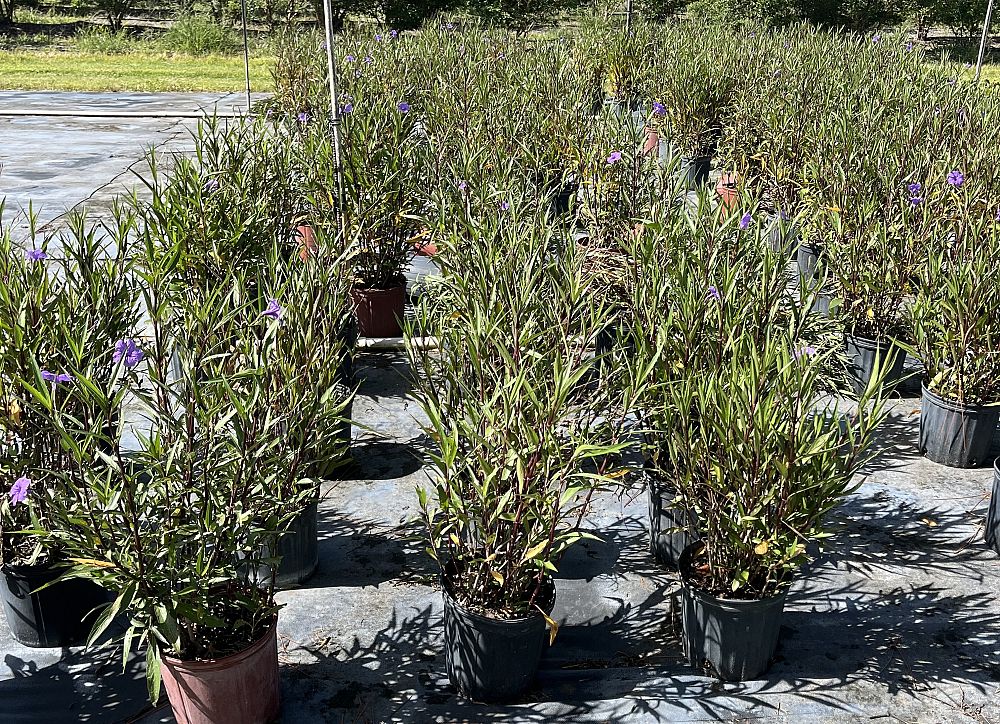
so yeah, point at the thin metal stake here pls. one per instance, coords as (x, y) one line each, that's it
(334, 114)
(246, 50)
(982, 43)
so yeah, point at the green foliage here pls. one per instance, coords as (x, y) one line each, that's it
(199, 36)
(102, 40)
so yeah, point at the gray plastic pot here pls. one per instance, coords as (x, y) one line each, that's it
(862, 354)
(810, 258)
(734, 639)
(956, 435)
(491, 660)
(669, 526)
(298, 549)
(993, 517)
(783, 237)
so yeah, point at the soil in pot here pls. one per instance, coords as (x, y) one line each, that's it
(298, 549)
(670, 527)
(993, 517)
(58, 616)
(492, 660)
(239, 689)
(862, 354)
(956, 435)
(380, 311)
(734, 639)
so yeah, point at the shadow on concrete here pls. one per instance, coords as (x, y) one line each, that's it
(378, 459)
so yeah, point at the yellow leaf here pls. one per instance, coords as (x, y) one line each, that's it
(535, 550)
(553, 626)
(15, 413)
(761, 548)
(871, 313)
(928, 522)
(455, 540)
(92, 562)
(498, 577)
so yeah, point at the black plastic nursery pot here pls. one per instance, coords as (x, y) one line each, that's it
(562, 202)
(810, 261)
(670, 526)
(862, 355)
(298, 548)
(734, 639)
(954, 434)
(492, 660)
(694, 171)
(993, 517)
(58, 616)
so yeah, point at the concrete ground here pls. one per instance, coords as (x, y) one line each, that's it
(897, 621)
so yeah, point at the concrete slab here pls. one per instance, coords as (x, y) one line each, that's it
(58, 163)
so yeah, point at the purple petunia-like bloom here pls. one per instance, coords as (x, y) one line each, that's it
(349, 59)
(659, 109)
(914, 188)
(806, 351)
(393, 34)
(347, 108)
(53, 377)
(462, 186)
(35, 255)
(956, 179)
(19, 490)
(746, 220)
(615, 157)
(303, 117)
(909, 46)
(916, 200)
(998, 215)
(127, 351)
(504, 206)
(404, 107)
(713, 293)
(369, 59)
(273, 310)
(378, 37)
(210, 186)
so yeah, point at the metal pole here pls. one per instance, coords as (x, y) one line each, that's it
(982, 43)
(334, 113)
(246, 50)
(628, 17)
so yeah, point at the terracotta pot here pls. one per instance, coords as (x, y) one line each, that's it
(380, 311)
(307, 241)
(651, 146)
(428, 248)
(729, 195)
(238, 689)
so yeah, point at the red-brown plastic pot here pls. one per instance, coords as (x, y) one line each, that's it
(651, 145)
(307, 241)
(729, 195)
(238, 689)
(380, 311)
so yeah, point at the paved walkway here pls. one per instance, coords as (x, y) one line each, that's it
(57, 163)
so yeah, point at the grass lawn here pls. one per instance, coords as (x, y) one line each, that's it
(140, 71)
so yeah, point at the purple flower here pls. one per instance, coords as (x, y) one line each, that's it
(876, 37)
(210, 186)
(369, 59)
(909, 46)
(956, 179)
(998, 215)
(53, 377)
(404, 107)
(462, 186)
(35, 255)
(615, 157)
(659, 109)
(322, 46)
(303, 117)
(916, 200)
(806, 351)
(19, 490)
(504, 206)
(393, 34)
(127, 350)
(273, 310)
(347, 108)
(746, 220)
(914, 188)
(449, 26)
(378, 38)
(713, 293)
(349, 59)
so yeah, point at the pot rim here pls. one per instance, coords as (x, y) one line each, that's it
(954, 405)
(201, 665)
(874, 343)
(380, 290)
(723, 602)
(25, 570)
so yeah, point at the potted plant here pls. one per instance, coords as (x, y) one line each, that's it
(60, 311)
(174, 527)
(520, 444)
(957, 336)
